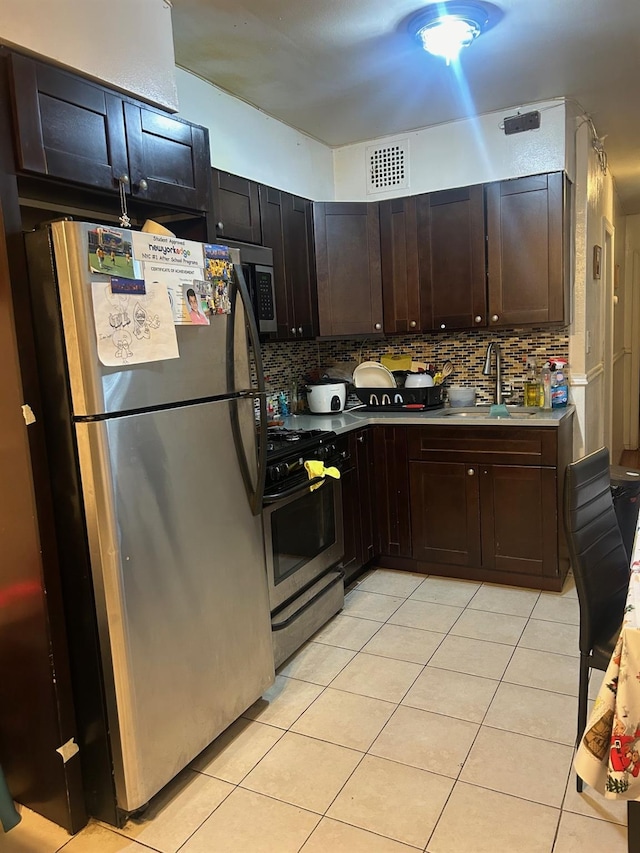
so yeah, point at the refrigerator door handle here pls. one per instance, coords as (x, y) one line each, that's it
(255, 493)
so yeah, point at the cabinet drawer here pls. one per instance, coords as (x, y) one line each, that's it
(506, 445)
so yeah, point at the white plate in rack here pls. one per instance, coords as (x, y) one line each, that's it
(372, 374)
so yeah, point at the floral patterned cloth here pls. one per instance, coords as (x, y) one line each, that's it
(608, 756)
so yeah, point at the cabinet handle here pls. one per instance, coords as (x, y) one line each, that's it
(293, 331)
(360, 438)
(471, 471)
(443, 325)
(124, 179)
(143, 185)
(478, 319)
(299, 330)
(377, 327)
(220, 226)
(494, 318)
(412, 324)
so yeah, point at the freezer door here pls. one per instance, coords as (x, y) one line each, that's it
(180, 582)
(66, 309)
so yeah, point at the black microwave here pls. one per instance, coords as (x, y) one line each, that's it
(257, 268)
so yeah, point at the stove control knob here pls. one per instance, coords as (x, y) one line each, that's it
(277, 472)
(326, 450)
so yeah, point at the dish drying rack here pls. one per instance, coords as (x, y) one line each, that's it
(400, 399)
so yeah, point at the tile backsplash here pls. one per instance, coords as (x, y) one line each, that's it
(286, 363)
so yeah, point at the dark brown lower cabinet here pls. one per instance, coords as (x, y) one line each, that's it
(477, 502)
(357, 502)
(498, 517)
(393, 514)
(486, 502)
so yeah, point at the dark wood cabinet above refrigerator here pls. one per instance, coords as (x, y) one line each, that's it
(71, 129)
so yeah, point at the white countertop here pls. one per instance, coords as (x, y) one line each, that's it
(358, 418)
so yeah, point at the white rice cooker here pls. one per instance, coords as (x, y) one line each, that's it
(326, 398)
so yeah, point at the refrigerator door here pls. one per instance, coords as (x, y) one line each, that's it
(199, 373)
(180, 583)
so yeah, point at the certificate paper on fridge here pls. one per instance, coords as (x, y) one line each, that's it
(156, 248)
(133, 328)
(189, 294)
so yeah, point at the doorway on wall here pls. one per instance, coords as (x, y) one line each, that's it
(607, 334)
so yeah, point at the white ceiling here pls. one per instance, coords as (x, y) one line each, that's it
(349, 70)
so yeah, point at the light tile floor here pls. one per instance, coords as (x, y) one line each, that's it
(431, 714)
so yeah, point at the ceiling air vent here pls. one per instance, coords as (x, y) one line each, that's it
(388, 166)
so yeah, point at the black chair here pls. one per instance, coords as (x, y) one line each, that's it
(600, 566)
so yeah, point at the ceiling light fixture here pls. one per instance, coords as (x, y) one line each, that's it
(445, 28)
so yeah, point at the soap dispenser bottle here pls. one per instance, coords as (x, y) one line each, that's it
(531, 385)
(545, 387)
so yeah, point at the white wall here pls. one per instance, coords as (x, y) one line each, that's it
(464, 152)
(127, 45)
(595, 211)
(248, 142)
(632, 329)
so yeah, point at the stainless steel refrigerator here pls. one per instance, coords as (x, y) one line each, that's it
(157, 478)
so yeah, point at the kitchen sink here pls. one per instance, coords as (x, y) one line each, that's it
(483, 413)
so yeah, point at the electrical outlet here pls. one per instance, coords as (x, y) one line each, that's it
(519, 123)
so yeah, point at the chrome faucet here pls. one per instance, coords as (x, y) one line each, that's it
(486, 370)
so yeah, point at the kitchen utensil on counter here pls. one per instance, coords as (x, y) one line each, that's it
(326, 398)
(372, 374)
(447, 369)
(396, 362)
(419, 380)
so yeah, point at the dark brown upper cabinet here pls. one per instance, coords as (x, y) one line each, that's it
(433, 261)
(400, 268)
(528, 252)
(236, 208)
(451, 241)
(74, 130)
(287, 227)
(347, 241)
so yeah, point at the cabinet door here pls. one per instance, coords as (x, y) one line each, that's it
(451, 240)
(271, 217)
(347, 239)
(365, 458)
(445, 513)
(400, 270)
(357, 506)
(287, 229)
(519, 519)
(66, 127)
(236, 207)
(526, 250)
(168, 158)
(300, 264)
(391, 483)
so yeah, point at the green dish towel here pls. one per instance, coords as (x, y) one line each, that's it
(499, 411)
(9, 817)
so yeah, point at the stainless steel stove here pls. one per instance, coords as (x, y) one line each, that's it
(302, 522)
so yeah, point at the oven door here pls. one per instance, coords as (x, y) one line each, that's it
(303, 538)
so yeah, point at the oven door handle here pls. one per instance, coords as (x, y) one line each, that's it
(274, 499)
